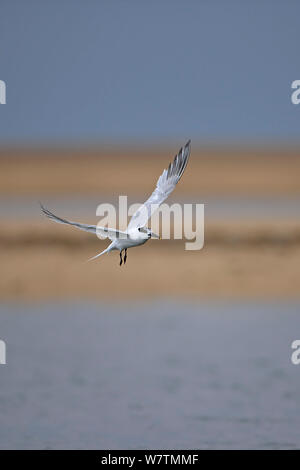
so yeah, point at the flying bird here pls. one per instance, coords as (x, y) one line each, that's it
(137, 233)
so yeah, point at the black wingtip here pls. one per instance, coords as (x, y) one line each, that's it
(46, 211)
(43, 208)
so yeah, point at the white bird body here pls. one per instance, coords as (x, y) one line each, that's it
(134, 238)
(137, 233)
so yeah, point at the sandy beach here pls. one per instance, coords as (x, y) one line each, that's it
(241, 258)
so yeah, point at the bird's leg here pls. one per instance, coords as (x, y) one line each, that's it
(125, 256)
(121, 260)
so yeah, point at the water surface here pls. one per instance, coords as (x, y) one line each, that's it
(150, 375)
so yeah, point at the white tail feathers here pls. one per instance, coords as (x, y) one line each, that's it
(109, 248)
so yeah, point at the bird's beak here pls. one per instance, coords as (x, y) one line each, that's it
(153, 235)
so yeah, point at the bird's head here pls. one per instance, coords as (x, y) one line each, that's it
(148, 233)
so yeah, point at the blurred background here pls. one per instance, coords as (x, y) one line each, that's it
(99, 98)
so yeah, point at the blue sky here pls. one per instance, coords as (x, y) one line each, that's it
(140, 71)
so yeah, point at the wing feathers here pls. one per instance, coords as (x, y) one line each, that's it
(60, 220)
(110, 232)
(164, 186)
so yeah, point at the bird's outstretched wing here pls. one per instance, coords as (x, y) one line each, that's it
(164, 186)
(111, 233)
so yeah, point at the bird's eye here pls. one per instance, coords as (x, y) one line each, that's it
(139, 229)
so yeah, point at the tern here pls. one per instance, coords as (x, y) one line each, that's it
(137, 233)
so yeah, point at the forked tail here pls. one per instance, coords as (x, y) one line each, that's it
(109, 248)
